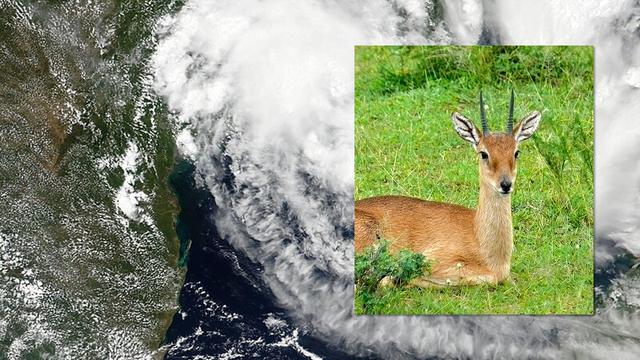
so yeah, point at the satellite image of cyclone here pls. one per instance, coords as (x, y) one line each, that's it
(176, 179)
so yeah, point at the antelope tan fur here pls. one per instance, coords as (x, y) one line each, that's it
(465, 246)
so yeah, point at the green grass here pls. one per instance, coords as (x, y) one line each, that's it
(406, 144)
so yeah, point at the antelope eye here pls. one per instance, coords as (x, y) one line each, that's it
(484, 155)
(517, 154)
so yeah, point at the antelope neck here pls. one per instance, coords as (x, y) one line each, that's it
(494, 229)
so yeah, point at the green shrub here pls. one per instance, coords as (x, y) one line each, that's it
(377, 262)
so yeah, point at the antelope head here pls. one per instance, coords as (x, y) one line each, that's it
(497, 151)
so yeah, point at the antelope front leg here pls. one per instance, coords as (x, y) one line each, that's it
(431, 282)
(475, 275)
(461, 274)
(480, 280)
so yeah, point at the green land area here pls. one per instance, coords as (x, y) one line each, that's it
(82, 134)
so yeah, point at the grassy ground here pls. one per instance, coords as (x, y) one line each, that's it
(406, 144)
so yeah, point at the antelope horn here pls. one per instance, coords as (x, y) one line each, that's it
(510, 120)
(483, 117)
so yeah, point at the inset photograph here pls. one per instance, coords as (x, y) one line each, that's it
(474, 180)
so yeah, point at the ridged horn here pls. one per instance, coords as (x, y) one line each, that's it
(483, 117)
(510, 119)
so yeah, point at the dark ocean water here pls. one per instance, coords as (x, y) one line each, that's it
(225, 308)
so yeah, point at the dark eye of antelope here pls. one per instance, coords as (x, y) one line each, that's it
(484, 155)
(517, 154)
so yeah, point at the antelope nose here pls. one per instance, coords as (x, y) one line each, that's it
(505, 185)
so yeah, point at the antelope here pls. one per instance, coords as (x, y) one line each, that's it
(465, 246)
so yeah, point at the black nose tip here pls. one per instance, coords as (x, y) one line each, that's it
(505, 185)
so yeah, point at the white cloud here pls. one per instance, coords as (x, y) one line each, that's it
(128, 199)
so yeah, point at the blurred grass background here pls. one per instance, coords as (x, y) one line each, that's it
(406, 144)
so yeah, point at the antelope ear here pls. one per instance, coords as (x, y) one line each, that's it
(466, 129)
(527, 126)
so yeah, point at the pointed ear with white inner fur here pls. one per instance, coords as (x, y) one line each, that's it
(466, 129)
(527, 126)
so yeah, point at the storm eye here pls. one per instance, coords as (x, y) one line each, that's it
(517, 154)
(484, 155)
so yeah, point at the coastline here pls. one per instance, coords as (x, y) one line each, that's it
(224, 307)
